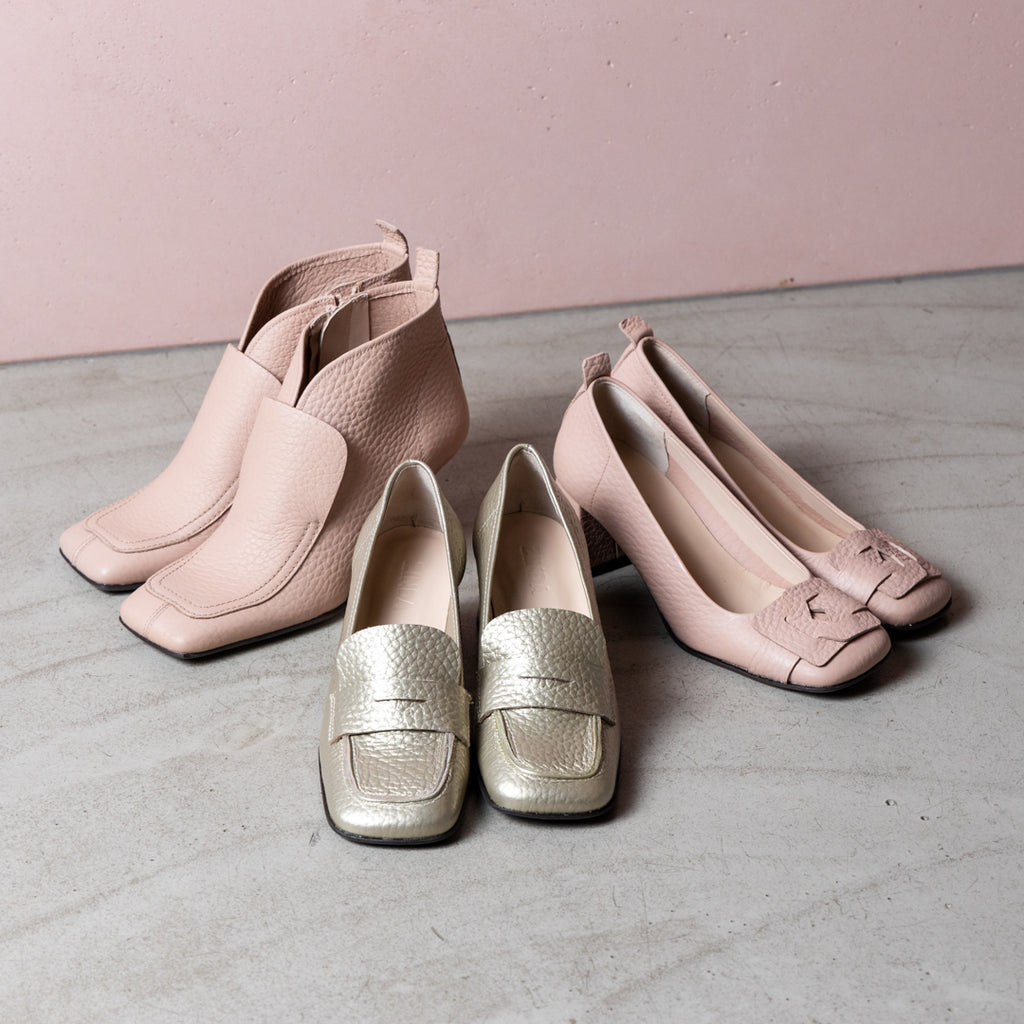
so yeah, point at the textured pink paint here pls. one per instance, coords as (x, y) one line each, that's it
(160, 160)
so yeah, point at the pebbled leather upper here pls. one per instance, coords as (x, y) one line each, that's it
(897, 584)
(548, 658)
(281, 506)
(814, 621)
(870, 560)
(198, 485)
(401, 676)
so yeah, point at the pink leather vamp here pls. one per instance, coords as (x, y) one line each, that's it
(199, 484)
(291, 472)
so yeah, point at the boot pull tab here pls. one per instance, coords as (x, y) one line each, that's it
(427, 262)
(393, 238)
(635, 328)
(595, 366)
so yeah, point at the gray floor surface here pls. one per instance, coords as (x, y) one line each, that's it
(773, 856)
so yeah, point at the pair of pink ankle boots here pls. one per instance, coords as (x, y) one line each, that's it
(344, 370)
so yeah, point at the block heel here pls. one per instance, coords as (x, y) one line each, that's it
(605, 555)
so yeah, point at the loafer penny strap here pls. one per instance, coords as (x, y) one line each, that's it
(399, 705)
(398, 678)
(548, 658)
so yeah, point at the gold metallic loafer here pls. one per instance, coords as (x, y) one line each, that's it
(394, 747)
(548, 739)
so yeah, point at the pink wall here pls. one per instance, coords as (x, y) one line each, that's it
(159, 160)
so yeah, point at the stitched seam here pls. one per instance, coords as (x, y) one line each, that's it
(81, 547)
(96, 516)
(523, 699)
(155, 541)
(153, 618)
(206, 511)
(417, 419)
(235, 603)
(591, 410)
(600, 479)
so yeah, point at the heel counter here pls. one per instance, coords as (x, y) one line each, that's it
(575, 455)
(443, 405)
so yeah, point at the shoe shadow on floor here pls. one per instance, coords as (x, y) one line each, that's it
(908, 651)
(650, 686)
(896, 666)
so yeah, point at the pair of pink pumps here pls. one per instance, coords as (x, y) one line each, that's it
(750, 566)
(344, 370)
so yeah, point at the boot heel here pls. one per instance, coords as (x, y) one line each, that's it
(605, 554)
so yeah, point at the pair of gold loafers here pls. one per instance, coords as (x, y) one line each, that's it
(397, 726)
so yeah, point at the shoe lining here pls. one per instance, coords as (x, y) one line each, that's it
(535, 566)
(407, 579)
(778, 504)
(311, 278)
(783, 497)
(723, 578)
(347, 328)
(362, 319)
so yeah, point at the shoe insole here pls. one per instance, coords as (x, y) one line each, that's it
(714, 569)
(407, 579)
(804, 522)
(535, 566)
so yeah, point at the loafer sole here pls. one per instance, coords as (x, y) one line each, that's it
(920, 627)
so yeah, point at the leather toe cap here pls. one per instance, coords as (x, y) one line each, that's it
(921, 603)
(851, 662)
(161, 624)
(96, 561)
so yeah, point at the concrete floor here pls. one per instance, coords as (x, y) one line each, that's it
(773, 857)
